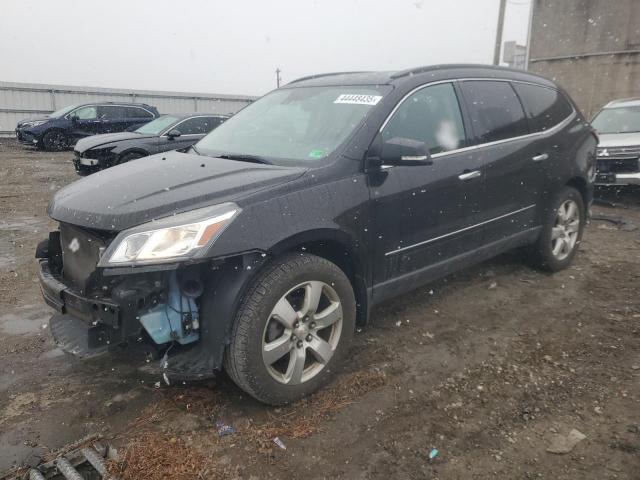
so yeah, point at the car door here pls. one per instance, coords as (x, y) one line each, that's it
(506, 151)
(136, 117)
(112, 118)
(84, 122)
(424, 215)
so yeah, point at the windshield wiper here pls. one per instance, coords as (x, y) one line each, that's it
(244, 158)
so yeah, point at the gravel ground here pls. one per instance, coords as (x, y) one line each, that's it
(488, 366)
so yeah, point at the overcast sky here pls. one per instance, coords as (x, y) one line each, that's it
(234, 46)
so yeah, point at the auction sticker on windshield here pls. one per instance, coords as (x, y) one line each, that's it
(355, 99)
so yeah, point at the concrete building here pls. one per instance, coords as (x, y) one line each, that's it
(590, 47)
(514, 55)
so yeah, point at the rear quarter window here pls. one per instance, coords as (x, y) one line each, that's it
(545, 107)
(137, 112)
(494, 109)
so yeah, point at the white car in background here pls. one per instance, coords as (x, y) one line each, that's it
(618, 153)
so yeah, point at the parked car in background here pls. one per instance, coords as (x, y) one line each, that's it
(63, 128)
(618, 126)
(167, 132)
(261, 248)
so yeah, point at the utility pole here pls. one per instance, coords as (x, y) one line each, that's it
(498, 45)
(278, 71)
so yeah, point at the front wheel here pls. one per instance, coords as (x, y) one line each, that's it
(292, 328)
(55, 141)
(561, 231)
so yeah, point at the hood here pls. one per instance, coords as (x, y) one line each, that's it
(33, 119)
(93, 141)
(160, 185)
(619, 139)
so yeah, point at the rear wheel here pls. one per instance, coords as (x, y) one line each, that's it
(291, 330)
(55, 141)
(562, 231)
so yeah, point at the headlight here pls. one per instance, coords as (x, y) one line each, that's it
(183, 236)
(34, 124)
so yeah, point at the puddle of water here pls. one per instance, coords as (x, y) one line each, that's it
(55, 353)
(30, 320)
(23, 223)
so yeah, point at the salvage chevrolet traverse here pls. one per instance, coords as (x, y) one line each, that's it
(259, 250)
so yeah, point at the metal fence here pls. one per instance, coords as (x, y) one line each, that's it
(21, 100)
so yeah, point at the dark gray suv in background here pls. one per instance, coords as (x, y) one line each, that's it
(260, 249)
(63, 128)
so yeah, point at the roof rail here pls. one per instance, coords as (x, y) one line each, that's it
(428, 68)
(320, 75)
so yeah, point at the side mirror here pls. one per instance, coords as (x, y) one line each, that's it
(399, 151)
(74, 119)
(173, 133)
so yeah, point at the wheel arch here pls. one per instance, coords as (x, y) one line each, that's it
(581, 185)
(340, 249)
(137, 150)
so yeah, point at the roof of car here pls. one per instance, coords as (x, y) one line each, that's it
(196, 114)
(436, 72)
(623, 102)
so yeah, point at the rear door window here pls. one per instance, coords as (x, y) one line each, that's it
(430, 115)
(494, 109)
(136, 112)
(198, 125)
(545, 107)
(111, 112)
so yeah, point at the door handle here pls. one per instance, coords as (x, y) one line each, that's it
(469, 175)
(541, 157)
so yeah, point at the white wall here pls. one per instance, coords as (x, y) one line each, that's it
(22, 100)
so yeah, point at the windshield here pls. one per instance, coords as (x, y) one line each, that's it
(618, 120)
(157, 126)
(296, 126)
(63, 111)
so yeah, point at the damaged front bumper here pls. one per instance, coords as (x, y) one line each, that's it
(182, 313)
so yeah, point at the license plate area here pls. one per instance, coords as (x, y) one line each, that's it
(606, 178)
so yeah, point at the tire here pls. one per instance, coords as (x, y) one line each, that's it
(55, 141)
(560, 238)
(127, 157)
(280, 295)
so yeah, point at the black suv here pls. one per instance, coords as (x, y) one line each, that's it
(63, 128)
(260, 249)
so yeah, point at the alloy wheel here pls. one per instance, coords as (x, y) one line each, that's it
(564, 234)
(302, 332)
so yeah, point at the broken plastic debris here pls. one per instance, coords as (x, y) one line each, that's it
(157, 384)
(224, 429)
(166, 379)
(279, 443)
(433, 454)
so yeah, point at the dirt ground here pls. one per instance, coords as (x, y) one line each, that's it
(486, 366)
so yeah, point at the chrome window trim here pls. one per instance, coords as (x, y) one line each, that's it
(108, 105)
(184, 120)
(553, 129)
(431, 240)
